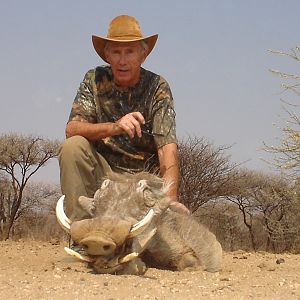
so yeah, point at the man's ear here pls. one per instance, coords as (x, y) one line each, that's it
(106, 53)
(107, 57)
(144, 56)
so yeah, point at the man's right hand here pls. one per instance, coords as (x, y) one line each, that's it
(131, 124)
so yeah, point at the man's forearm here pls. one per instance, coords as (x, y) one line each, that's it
(91, 131)
(169, 168)
(172, 176)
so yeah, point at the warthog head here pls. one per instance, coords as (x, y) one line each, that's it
(123, 216)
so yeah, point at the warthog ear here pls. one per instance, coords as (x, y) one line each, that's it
(141, 185)
(105, 184)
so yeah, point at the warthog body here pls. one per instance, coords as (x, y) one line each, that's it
(171, 240)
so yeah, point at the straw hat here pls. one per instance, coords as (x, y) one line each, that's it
(123, 29)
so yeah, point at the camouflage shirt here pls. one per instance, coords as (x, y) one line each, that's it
(98, 100)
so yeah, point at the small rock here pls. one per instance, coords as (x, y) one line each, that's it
(225, 279)
(280, 261)
(54, 241)
(240, 257)
(262, 265)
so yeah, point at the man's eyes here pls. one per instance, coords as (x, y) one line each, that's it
(129, 51)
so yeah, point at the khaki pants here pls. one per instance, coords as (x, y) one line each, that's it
(81, 172)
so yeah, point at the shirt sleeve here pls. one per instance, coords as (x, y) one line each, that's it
(163, 115)
(84, 107)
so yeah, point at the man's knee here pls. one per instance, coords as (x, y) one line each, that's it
(74, 146)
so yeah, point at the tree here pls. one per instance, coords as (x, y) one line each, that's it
(205, 171)
(287, 153)
(268, 204)
(225, 221)
(240, 195)
(36, 215)
(20, 158)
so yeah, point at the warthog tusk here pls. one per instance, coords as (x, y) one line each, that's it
(128, 257)
(62, 219)
(79, 256)
(140, 242)
(86, 258)
(140, 226)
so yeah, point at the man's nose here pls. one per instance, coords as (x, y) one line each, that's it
(123, 59)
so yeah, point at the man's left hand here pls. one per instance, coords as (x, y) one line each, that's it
(179, 207)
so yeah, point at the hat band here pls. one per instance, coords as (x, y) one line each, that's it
(125, 37)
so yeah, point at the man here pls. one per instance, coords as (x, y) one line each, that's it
(122, 119)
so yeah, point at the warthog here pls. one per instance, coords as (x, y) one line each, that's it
(131, 226)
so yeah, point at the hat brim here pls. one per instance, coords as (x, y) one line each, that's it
(100, 42)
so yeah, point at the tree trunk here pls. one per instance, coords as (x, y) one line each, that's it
(5, 232)
(253, 244)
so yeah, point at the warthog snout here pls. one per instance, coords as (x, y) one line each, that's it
(97, 245)
(100, 236)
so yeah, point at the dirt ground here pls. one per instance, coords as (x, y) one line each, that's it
(42, 270)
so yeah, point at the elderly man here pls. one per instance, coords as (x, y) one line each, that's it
(122, 119)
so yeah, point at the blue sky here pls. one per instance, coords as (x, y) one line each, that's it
(213, 53)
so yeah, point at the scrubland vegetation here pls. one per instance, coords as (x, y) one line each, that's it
(246, 209)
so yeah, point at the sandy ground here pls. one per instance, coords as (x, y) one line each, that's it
(42, 270)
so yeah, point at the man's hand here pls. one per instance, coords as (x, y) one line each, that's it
(179, 207)
(131, 124)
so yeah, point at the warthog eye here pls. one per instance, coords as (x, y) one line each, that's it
(148, 198)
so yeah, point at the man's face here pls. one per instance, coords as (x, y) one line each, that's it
(125, 60)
